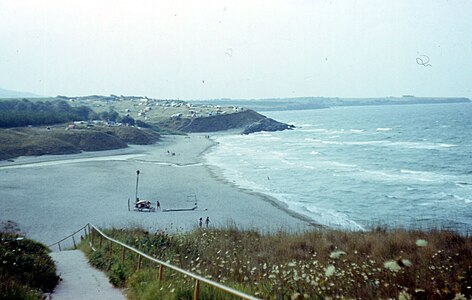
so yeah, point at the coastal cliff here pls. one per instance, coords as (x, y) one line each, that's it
(248, 121)
(94, 123)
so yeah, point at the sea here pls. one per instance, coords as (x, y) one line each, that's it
(359, 168)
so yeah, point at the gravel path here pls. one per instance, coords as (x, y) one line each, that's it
(80, 280)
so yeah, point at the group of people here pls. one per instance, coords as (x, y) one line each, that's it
(207, 222)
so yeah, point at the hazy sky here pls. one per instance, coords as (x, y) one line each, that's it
(237, 49)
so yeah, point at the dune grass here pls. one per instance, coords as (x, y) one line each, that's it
(379, 264)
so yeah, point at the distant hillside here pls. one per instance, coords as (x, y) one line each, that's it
(40, 141)
(302, 103)
(177, 116)
(15, 94)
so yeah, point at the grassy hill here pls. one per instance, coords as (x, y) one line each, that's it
(150, 115)
(56, 140)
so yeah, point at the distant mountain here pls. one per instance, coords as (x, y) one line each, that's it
(15, 94)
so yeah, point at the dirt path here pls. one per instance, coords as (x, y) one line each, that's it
(80, 280)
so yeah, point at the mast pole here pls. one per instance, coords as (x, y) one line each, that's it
(137, 181)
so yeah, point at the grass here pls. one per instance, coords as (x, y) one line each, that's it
(26, 269)
(380, 264)
(56, 140)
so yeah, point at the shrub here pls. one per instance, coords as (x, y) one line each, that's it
(118, 275)
(26, 268)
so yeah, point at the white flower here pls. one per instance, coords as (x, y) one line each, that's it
(421, 243)
(404, 296)
(392, 265)
(329, 270)
(337, 254)
(406, 262)
(459, 297)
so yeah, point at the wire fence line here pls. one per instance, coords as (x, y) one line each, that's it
(92, 231)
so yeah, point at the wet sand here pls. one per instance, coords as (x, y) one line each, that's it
(51, 196)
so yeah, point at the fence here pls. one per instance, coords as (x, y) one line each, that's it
(93, 232)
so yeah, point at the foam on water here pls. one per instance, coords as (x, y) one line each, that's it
(384, 129)
(403, 169)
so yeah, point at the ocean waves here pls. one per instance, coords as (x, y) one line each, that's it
(402, 172)
(421, 145)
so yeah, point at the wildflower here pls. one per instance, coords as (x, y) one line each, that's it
(337, 254)
(406, 262)
(421, 243)
(392, 265)
(459, 297)
(329, 270)
(404, 296)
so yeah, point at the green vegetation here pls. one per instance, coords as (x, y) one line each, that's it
(380, 264)
(26, 269)
(18, 113)
(56, 140)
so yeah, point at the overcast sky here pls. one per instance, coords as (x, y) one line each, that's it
(237, 49)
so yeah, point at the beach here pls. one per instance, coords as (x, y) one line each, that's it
(52, 196)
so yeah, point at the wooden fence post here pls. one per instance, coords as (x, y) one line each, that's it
(91, 235)
(111, 248)
(139, 263)
(73, 240)
(161, 272)
(123, 249)
(101, 241)
(59, 244)
(196, 292)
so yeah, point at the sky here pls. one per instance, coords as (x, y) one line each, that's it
(207, 49)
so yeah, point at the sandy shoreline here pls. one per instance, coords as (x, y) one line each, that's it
(51, 196)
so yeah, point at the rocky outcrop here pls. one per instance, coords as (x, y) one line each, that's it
(248, 121)
(266, 124)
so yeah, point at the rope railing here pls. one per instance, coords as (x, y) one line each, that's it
(92, 230)
(58, 243)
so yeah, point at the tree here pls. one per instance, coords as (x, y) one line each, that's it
(127, 120)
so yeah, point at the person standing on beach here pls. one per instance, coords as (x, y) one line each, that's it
(207, 221)
(201, 222)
